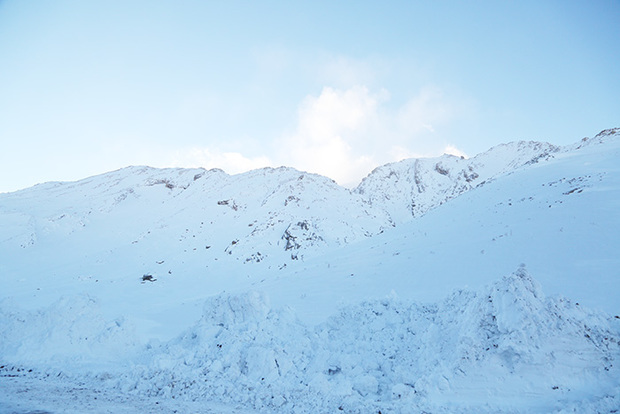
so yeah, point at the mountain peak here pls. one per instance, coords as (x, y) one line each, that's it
(411, 187)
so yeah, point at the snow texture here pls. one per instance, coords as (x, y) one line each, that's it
(506, 347)
(176, 290)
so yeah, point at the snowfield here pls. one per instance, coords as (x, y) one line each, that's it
(163, 291)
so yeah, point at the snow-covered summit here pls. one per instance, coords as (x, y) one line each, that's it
(411, 187)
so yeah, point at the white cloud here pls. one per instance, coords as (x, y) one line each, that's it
(231, 162)
(398, 153)
(344, 134)
(452, 150)
(330, 133)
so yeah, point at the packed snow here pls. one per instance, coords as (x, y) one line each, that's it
(174, 290)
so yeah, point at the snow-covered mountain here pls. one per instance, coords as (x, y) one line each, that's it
(279, 291)
(283, 213)
(251, 216)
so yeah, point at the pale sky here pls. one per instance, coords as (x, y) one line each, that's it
(332, 87)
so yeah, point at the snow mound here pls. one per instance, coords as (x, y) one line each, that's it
(227, 310)
(71, 330)
(480, 350)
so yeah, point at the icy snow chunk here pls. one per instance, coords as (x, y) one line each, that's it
(227, 309)
(366, 384)
(401, 391)
(260, 364)
(518, 300)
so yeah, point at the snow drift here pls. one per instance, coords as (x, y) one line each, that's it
(506, 347)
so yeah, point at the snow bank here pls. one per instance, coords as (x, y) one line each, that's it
(504, 348)
(71, 330)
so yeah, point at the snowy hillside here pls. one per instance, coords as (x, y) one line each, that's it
(273, 209)
(279, 291)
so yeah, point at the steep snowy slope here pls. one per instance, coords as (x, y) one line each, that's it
(409, 188)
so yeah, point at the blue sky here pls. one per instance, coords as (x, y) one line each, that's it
(336, 88)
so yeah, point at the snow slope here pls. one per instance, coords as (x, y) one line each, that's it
(142, 205)
(279, 291)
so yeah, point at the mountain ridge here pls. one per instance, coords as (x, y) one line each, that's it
(282, 205)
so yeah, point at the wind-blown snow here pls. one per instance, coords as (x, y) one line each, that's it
(279, 291)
